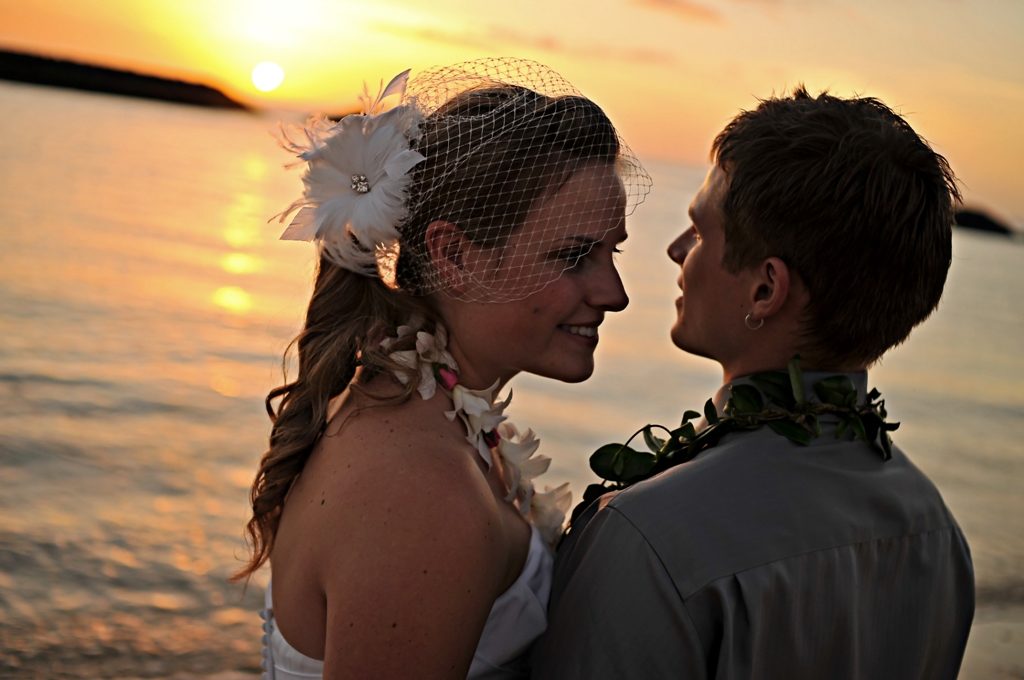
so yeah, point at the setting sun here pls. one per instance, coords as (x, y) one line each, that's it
(267, 76)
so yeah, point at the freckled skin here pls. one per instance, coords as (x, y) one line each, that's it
(495, 341)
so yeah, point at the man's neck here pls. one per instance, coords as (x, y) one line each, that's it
(740, 370)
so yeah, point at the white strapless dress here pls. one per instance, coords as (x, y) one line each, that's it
(517, 618)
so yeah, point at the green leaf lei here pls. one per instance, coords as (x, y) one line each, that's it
(775, 399)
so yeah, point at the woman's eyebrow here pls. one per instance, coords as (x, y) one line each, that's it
(586, 240)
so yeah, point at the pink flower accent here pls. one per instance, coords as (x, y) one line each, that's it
(448, 378)
(430, 354)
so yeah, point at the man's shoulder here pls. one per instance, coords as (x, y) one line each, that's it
(757, 498)
(750, 469)
(750, 462)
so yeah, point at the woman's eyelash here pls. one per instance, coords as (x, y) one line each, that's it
(573, 255)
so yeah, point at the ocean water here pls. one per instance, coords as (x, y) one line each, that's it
(144, 306)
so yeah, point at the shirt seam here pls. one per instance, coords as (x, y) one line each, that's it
(698, 587)
(879, 539)
(668, 575)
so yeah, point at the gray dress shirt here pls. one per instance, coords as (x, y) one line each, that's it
(764, 559)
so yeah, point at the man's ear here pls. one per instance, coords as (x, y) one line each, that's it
(771, 288)
(446, 244)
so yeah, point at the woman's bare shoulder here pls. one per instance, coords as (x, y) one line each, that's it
(391, 443)
(402, 531)
(401, 470)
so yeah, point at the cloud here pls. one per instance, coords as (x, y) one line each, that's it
(487, 37)
(695, 11)
(686, 9)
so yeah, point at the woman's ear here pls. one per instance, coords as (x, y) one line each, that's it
(445, 244)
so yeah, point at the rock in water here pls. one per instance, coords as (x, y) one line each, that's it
(976, 219)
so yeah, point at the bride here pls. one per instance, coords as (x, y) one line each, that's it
(465, 235)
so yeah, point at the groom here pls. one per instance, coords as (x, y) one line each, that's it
(823, 230)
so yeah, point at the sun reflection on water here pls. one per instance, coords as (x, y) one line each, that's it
(255, 166)
(244, 218)
(240, 263)
(233, 299)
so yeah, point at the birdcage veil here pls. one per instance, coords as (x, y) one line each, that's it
(477, 147)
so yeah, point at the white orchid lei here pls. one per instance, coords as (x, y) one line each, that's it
(356, 180)
(487, 427)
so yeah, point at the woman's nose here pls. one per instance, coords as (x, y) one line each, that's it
(609, 294)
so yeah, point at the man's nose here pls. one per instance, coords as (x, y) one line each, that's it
(678, 248)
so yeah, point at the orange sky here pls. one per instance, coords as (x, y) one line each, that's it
(669, 72)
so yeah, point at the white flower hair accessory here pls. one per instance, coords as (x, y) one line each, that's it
(356, 179)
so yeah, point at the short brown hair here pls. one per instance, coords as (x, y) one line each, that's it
(847, 194)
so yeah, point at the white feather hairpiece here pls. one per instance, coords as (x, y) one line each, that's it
(356, 180)
(396, 86)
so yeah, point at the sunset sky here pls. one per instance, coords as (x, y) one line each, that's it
(669, 72)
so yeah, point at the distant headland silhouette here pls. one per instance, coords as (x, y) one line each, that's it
(31, 68)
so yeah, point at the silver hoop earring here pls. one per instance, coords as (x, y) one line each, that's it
(748, 324)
